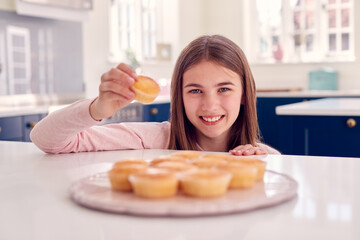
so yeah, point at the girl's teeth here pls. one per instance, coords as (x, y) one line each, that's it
(211, 119)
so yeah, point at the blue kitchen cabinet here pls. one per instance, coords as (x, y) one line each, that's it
(158, 112)
(28, 122)
(18, 128)
(319, 135)
(268, 119)
(11, 128)
(138, 112)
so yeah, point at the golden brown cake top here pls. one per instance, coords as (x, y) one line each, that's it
(208, 162)
(130, 161)
(154, 174)
(174, 166)
(129, 167)
(160, 159)
(247, 160)
(187, 154)
(146, 85)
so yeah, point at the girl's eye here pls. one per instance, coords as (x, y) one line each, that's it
(195, 91)
(224, 89)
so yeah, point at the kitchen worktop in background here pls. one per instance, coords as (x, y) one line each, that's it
(18, 114)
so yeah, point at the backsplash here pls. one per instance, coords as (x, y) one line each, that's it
(39, 56)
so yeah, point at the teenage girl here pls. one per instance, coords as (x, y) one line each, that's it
(213, 108)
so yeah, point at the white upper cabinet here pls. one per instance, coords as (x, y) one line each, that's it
(69, 10)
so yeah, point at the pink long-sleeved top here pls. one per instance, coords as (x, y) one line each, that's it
(72, 129)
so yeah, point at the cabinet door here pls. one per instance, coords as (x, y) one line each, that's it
(28, 124)
(267, 117)
(11, 128)
(158, 112)
(320, 136)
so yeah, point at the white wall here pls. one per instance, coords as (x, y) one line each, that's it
(96, 46)
(223, 17)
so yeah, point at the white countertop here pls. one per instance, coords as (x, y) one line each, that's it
(35, 204)
(28, 104)
(13, 111)
(323, 107)
(310, 93)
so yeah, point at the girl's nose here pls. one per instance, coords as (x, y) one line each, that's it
(209, 102)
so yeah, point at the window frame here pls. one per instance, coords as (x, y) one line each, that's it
(12, 64)
(117, 52)
(3, 62)
(286, 27)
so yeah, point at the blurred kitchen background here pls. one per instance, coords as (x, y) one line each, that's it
(53, 52)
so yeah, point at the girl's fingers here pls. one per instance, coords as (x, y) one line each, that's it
(261, 152)
(116, 88)
(111, 96)
(244, 147)
(247, 150)
(127, 69)
(118, 76)
(112, 87)
(236, 152)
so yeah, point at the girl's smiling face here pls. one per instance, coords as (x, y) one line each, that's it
(212, 97)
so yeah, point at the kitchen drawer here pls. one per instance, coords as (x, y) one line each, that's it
(11, 128)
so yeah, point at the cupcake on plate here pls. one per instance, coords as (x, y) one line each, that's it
(130, 161)
(169, 158)
(187, 154)
(243, 175)
(154, 183)
(259, 164)
(208, 161)
(205, 183)
(174, 166)
(119, 175)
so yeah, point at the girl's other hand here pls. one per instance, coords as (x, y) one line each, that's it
(249, 149)
(114, 92)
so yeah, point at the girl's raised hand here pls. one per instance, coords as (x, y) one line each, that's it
(249, 149)
(114, 92)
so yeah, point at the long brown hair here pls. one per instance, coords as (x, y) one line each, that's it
(226, 53)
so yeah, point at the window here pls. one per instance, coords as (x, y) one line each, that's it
(19, 61)
(134, 30)
(3, 67)
(46, 81)
(304, 31)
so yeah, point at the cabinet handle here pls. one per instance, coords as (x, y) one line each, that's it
(351, 122)
(0, 129)
(154, 111)
(31, 125)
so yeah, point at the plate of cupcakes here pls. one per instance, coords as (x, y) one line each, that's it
(184, 183)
